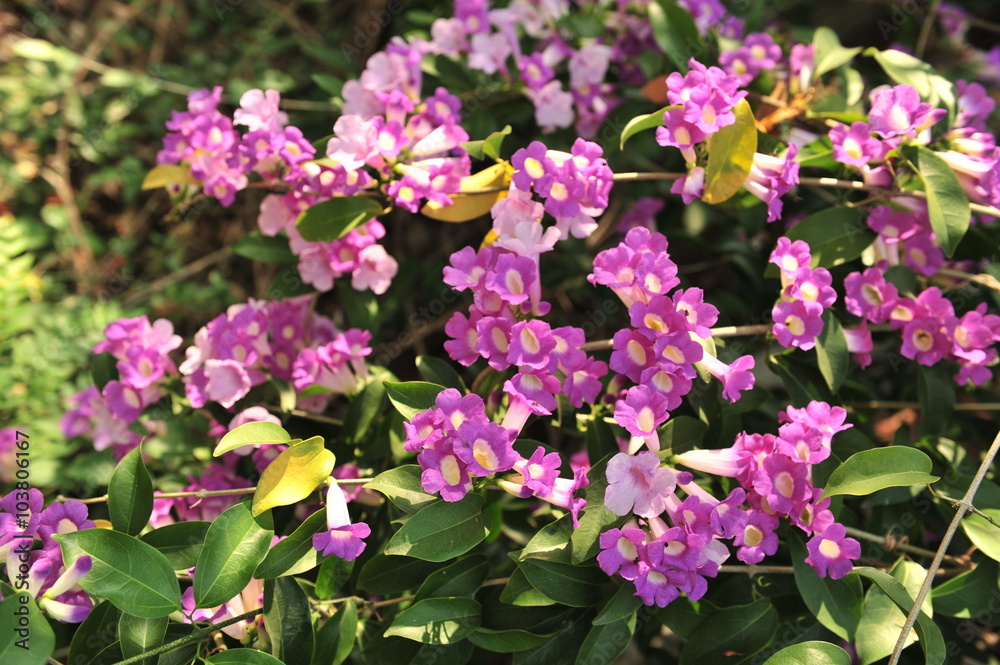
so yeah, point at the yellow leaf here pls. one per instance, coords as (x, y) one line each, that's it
(103, 524)
(730, 156)
(490, 238)
(168, 174)
(472, 202)
(293, 475)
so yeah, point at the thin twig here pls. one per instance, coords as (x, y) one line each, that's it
(757, 570)
(204, 494)
(956, 502)
(895, 404)
(963, 507)
(925, 29)
(306, 415)
(196, 636)
(138, 295)
(891, 545)
(988, 281)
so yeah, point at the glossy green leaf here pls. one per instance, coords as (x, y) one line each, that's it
(256, 433)
(440, 372)
(293, 475)
(488, 147)
(295, 554)
(595, 518)
(402, 486)
(732, 634)
(137, 635)
(332, 576)
(180, 542)
(26, 638)
(364, 408)
(273, 249)
(947, 202)
(872, 470)
(927, 631)
(334, 218)
(680, 434)
(730, 156)
(335, 638)
(984, 535)
(831, 352)
(98, 631)
(829, 53)
(128, 572)
(463, 578)
(287, 615)
(551, 542)
(837, 604)
(576, 586)
(835, 236)
(810, 653)
(103, 369)
(606, 641)
(130, 494)
(936, 394)
(180, 655)
(560, 648)
(442, 530)
(235, 545)
(506, 641)
(620, 606)
(675, 32)
(969, 595)
(412, 397)
(641, 123)
(437, 620)
(243, 657)
(518, 591)
(385, 575)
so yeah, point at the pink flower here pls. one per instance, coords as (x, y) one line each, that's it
(485, 448)
(341, 539)
(620, 551)
(898, 111)
(782, 482)
(757, 539)
(797, 324)
(735, 377)
(259, 111)
(641, 412)
(831, 552)
(637, 483)
(869, 295)
(444, 472)
(539, 471)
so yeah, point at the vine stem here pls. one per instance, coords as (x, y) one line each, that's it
(204, 494)
(199, 634)
(961, 509)
(891, 546)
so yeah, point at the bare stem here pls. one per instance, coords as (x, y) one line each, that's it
(895, 404)
(204, 494)
(196, 636)
(892, 545)
(963, 507)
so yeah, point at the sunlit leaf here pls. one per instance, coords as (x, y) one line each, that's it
(730, 156)
(293, 475)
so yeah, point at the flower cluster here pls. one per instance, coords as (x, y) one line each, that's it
(670, 545)
(54, 585)
(661, 348)
(756, 53)
(805, 293)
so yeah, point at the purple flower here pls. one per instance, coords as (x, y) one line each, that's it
(637, 483)
(925, 340)
(531, 342)
(259, 111)
(620, 551)
(62, 517)
(757, 539)
(831, 552)
(782, 482)
(855, 146)
(797, 323)
(735, 377)
(898, 111)
(535, 387)
(641, 412)
(771, 178)
(444, 472)
(486, 448)
(869, 295)
(512, 278)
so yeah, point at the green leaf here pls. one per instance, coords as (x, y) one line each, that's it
(928, 633)
(332, 576)
(364, 408)
(491, 146)
(518, 591)
(295, 554)
(463, 578)
(835, 236)
(810, 653)
(675, 32)
(26, 638)
(947, 203)
(984, 535)
(97, 632)
(293, 475)
(180, 543)
(551, 542)
(595, 518)
(730, 155)
(401, 485)
(329, 84)
(329, 220)
(936, 394)
(969, 594)
(620, 606)
(600, 438)
(437, 620)
(137, 635)
(829, 54)
(103, 369)
(605, 642)
(680, 434)
(872, 470)
(250, 434)
(235, 545)
(288, 620)
(906, 69)
(264, 248)
(440, 372)
(731, 635)
(641, 123)
(183, 654)
(837, 604)
(128, 572)
(243, 657)
(831, 352)
(335, 638)
(385, 575)
(412, 397)
(442, 530)
(506, 641)
(560, 648)
(130, 494)
(576, 586)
